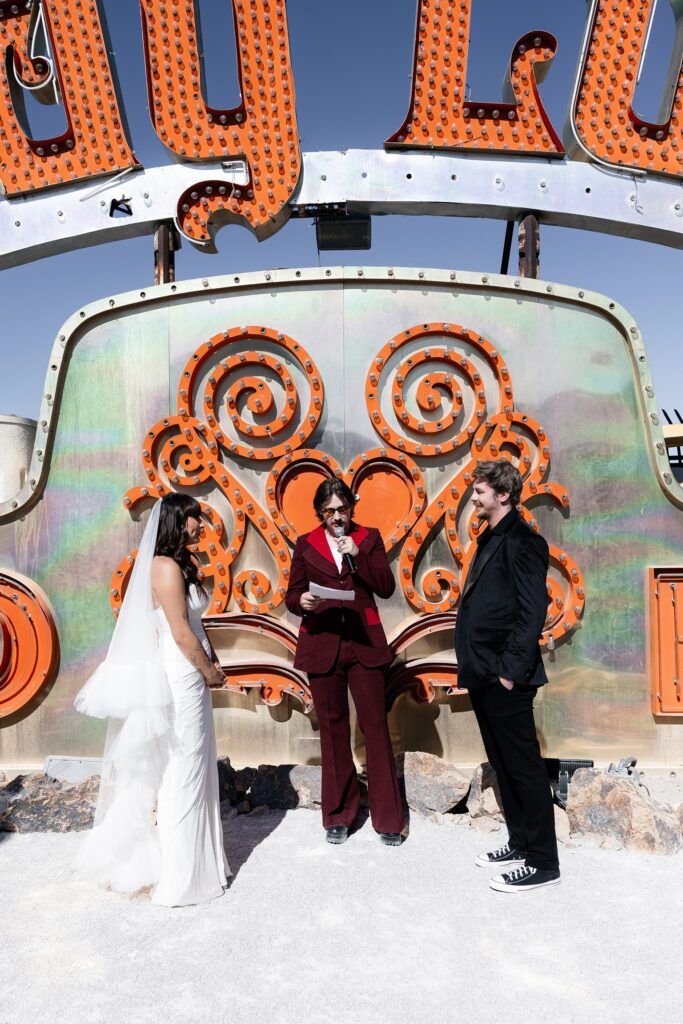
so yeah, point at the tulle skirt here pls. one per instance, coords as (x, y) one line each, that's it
(158, 816)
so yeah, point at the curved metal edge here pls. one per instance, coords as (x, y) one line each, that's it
(94, 312)
(573, 144)
(406, 677)
(566, 193)
(290, 682)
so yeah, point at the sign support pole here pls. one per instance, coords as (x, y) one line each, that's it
(166, 244)
(529, 243)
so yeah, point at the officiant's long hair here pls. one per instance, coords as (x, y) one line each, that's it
(328, 488)
(172, 539)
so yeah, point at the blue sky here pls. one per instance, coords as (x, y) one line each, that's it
(352, 65)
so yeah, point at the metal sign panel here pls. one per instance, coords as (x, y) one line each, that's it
(246, 390)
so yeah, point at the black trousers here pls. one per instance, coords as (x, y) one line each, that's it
(506, 721)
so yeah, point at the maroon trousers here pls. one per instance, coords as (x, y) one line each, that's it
(340, 788)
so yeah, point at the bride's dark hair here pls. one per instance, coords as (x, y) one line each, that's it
(176, 509)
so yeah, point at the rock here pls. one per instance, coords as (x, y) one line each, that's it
(562, 830)
(37, 803)
(243, 807)
(286, 786)
(436, 817)
(259, 811)
(484, 799)
(429, 784)
(485, 824)
(307, 780)
(228, 811)
(272, 786)
(679, 814)
(611, 843)
(234, 783)
(612, 807)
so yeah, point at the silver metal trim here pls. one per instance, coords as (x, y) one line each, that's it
(566, 193)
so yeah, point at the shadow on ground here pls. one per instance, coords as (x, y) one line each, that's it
(240, 842)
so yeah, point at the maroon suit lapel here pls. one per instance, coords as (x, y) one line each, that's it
(359, 533)
(319, 554)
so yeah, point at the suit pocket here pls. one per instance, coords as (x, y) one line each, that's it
(372, 617)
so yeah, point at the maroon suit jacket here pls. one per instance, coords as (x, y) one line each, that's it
(358, 620)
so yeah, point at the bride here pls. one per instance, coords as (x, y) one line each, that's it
(161, 746)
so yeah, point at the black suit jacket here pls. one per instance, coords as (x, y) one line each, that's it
(503, 607)
(358, 621)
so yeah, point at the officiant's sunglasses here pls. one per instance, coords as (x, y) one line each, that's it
(327, 513)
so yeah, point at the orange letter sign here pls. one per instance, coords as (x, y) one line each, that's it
(607, 126)
(57, 51)
(262, 130)
(441, 118)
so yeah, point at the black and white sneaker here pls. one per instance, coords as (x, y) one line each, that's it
(525, 879)
(504, 855)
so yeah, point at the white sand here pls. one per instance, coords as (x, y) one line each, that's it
(357, 933)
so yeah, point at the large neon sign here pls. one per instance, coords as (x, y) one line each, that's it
(249, 154)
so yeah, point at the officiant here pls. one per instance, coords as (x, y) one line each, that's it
(342, 648)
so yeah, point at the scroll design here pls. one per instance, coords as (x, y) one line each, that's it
(261, 130)
(183, 452)
(435, 392)
(29, 642)
(440, 116)
(450, 392)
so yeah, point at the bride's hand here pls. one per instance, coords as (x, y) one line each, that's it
(217, 679)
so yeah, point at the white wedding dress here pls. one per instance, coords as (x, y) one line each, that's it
(160, 752)
(193, 864)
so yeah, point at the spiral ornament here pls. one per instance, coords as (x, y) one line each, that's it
(438, 373)
(248, 417)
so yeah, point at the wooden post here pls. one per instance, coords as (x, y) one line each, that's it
(529, 242)
(166, 244)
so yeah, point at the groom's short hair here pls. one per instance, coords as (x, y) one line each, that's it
(503, 477)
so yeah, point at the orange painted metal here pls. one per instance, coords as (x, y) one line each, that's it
(665, 639)
(604, 116)
(422, 681)
(261, 406)
(441, 117)
(273, 681)
(261, 130)
(429, 397)
(183, 451)
(29, 658)
(94, 141)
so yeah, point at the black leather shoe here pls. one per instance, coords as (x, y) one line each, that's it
(391, 838)
(337, 834)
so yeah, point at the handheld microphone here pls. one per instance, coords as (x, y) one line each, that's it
(339, 532)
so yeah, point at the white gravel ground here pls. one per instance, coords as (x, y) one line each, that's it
(353, 934)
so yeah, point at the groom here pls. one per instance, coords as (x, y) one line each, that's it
(500, 619)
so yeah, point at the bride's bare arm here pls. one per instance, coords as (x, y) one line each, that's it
(168, 587)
